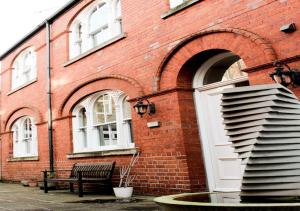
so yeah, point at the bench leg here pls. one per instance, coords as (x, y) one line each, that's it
(71, 187)
(45, 182)
(45, 186)
(110, 187)
(80, 188)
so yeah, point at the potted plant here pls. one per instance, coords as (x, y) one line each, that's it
(124, 190)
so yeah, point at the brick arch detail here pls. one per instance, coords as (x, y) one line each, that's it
(23, 111)
(252, 48)
(109, 82)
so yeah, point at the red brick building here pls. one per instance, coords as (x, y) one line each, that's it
(105, 54)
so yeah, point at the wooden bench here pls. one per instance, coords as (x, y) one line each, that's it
(97, 173)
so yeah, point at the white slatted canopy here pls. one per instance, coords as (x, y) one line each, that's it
(263, 124)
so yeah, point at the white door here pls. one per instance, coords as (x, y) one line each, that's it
(223, 168)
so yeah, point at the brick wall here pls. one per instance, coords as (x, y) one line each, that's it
(152, 59)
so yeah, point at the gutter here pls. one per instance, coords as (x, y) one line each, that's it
(49, 97)
(41, 26)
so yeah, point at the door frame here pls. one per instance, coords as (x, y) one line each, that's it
(199, 86)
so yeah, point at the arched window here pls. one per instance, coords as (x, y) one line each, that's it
(24, 138)
(24, 68)
(96, 24)
(106, 121)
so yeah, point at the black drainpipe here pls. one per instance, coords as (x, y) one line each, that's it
(50, 129)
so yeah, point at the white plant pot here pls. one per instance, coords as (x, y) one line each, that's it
(123, 193)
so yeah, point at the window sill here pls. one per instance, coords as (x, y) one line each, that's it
(23, 86)
(93, 50)
(103, 153)
(177, 9)
(20, 159)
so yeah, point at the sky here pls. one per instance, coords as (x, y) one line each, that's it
(19, 17)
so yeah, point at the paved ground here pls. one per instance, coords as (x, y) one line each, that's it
(17, 197)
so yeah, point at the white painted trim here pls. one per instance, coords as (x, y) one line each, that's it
(198, 85)
(198, 80)
(205, 147)
(19, 148)
(114, 28)
(123, 137)
(222, 84)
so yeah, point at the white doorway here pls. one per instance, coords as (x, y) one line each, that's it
(223, 168)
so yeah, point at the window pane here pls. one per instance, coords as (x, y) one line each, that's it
(105, 110)
(99, 18)
(27, 128)
(28, 66)
(83, 132)
(111, 115)
(28, 61)
(107, 134)
(100, 135)
(114, 135)
(118, 9)
(82, 118)
(27, 145)
(101, 36)
(78, 38)
(126, 110)
(79, 32)
(235, 71)
(99, 105)
(100, 119)
(15, 133)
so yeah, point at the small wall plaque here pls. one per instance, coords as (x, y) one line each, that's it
(153, 124)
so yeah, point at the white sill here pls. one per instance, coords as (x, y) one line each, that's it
(177, 9)
(97, 48)
(19, 159)
(128, 151)
(22, 86)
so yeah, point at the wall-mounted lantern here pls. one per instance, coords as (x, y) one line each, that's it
(141, 108)
(285, 77)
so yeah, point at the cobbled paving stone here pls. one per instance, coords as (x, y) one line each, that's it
(14, 197)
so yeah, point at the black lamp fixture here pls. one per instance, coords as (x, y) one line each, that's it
(285, 77)
(141, 108)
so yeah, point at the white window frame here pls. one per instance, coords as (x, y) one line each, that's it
(123, 131)
(78, 37)
(24, 138)
(21, 72)
(113, 27)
